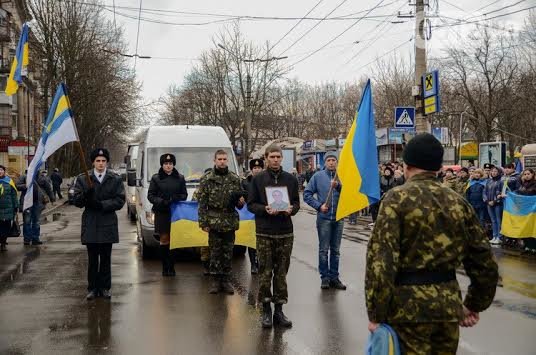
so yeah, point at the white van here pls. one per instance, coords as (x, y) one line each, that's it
(131, 160)
(194, 148)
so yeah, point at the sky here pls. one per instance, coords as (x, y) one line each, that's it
(173, 48)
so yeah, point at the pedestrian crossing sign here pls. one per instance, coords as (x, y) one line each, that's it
(404, 117)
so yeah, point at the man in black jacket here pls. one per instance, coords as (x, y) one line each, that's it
(274, 236)
(57, 180)
(100, 198)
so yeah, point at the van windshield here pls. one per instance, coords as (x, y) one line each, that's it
(191, 162)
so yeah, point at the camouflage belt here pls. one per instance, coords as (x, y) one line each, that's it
(217, 213)
(424, 277)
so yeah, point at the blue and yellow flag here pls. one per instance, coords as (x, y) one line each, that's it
(519, 216)
(59, 129)
(8, 181)
(20, 62)
(185, 231)
(358, 162)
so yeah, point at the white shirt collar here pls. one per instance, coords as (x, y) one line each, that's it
(99, 176)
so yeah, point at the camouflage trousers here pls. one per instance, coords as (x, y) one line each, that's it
(428, 338)
(220, 245)
(204, 253)
(274, 261)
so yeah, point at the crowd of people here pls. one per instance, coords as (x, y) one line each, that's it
(485, 189)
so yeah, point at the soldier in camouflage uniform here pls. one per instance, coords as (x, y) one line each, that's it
(218, 195)
(462, 182)
(423, 233)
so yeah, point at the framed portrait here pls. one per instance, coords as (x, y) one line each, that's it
(277, 197)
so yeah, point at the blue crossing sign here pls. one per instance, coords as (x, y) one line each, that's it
(404, 117)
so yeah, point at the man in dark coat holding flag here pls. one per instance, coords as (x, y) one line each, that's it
(100, 198)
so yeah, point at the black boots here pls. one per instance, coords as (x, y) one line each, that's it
(266, 318)
(220, 283)
(253, 261)
(206, 267)
(214, 286)
(226, 285)
(280, 318)
(168, 268)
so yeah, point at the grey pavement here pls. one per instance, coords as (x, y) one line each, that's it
(43, 310)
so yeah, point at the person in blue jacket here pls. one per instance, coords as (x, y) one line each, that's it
(474, 193)
(492, 196)
(329, 229)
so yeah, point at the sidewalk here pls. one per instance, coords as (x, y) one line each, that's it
(12, 261)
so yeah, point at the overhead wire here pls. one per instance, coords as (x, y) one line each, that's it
(486, 19)
(295, 25)
(497, 10)
(312, 28)
(337, 37)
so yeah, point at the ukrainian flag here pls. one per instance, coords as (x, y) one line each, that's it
(8, 181)
(358, 162)
(519, 216)
(185, 231)
(20, 62)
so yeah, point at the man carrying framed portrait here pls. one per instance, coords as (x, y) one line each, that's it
(273, 198)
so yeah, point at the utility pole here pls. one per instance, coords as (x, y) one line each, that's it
(249, 118)
(422, 125)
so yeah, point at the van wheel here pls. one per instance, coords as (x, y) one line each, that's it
(239, 250)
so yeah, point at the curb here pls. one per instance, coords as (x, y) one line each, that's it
(18, 268)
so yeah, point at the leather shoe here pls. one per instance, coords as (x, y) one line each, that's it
(325, 284)
(227, 287)
(106, 294)
(37, 242)
(214, 285)
(91, 295)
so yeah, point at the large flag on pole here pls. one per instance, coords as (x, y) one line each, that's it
(358, 162)
(59, 129)
(20, 62)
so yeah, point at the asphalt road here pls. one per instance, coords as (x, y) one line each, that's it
(43, 309)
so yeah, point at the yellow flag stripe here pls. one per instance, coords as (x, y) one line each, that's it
(63, 105)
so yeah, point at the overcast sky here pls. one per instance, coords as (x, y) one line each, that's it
(376, 36)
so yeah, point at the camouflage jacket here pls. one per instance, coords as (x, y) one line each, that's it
(216, 208)
(424, 226)
(461, 186)
(451, 183)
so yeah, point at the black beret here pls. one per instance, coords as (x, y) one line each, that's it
(256, 163)
(100, 152)
(168, 158)
(424, 151)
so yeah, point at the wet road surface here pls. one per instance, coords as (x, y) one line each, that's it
(43, 310)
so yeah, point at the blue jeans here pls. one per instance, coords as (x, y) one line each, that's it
(31, 228)
(329, 242)
(495, 213)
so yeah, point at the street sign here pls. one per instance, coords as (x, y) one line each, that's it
(404, 117)
(430, 87)
(431, 84)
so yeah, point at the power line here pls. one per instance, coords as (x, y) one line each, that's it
(488, 5)
(137, 37)
(385, 54)
(497, 10)
(338, 36)
(312, 28)
(374, 38)
(486, 19)
(296, 25)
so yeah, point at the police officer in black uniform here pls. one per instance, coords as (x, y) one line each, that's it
(166, 187)
(100, 199)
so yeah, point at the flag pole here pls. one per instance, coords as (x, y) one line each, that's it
(330, 193)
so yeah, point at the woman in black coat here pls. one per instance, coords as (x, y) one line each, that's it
(167, 187)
